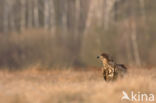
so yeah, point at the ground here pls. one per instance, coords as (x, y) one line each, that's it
(72, 86)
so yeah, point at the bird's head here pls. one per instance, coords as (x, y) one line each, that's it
(105, 58)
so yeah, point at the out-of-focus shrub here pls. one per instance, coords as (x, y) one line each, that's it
(32, 47)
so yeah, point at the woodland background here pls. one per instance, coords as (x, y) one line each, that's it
(61, 33)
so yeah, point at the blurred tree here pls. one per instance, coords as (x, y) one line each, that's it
(23, 15)
(124, 28)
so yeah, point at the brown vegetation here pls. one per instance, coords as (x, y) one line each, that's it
(71, 33)
(36, 85)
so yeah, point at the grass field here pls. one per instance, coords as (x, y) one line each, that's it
(72, 86)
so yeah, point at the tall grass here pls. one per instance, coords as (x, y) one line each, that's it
(71, 86)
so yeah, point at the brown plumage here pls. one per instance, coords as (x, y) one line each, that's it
(111, 70)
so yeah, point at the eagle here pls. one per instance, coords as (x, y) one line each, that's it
(111, 70)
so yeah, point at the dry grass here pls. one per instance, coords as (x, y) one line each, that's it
(71, 86)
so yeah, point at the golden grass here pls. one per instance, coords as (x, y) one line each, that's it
(71, 86)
